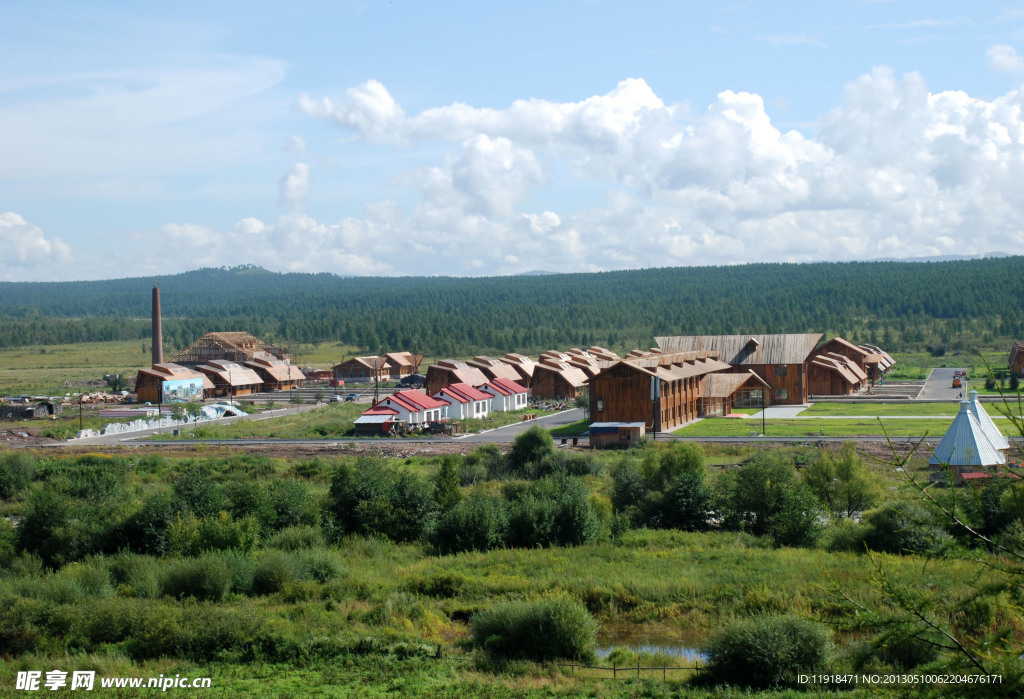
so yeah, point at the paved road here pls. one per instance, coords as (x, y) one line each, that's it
(510, 432)
(939, 386)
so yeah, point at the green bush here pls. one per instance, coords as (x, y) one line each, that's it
(540, 630)
(901, 527)
(204, 578)
(528, 450)
(295, 538)
(478, 523)
(371, 498)
(135, 575)
(16, 471)
(767, 651)
(273, 570)
(189, 536)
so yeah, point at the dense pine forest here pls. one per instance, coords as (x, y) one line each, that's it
(905, 306)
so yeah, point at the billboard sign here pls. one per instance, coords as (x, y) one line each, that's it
(182, 390)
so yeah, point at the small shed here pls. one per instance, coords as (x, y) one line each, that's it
(615, 435)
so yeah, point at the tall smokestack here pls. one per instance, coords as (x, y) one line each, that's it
(158, 333)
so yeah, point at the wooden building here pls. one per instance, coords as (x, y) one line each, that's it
(230, 346)
(780, 360)
(496, 369)
(277, 374)
(557, 380)
(615, 435)
(166, 382)
(877, 362)
(449, 371)
(1016, 363)
(524, 365)
(362, 369)
(834, 375)
(720, 392)
(659, 390)
(230, 378)
(852, 352)
(401, 364)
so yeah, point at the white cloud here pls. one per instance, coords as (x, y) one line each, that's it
(25, 252)
(294, 187)
(1004, 59)
(894, 170)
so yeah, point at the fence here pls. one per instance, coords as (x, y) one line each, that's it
(618, 672)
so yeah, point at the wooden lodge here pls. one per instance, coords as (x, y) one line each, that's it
(401, 364)
(1016, 362)
(720, 392)
(277, 374)
(554, 379)
(659, 390)
(877, 362)
(850, 351)
(362, 369)
(182, 384)
(449, 371)
(780, 360)
(496, 369)
(524, 365)
(833, 374)
(230, 378)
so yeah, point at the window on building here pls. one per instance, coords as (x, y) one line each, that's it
(781, 369)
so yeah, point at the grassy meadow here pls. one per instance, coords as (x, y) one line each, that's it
(211, 562)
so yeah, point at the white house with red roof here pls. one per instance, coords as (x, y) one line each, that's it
(464, 401)
(411, 406)
(505, 394)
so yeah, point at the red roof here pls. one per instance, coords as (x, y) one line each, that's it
(505, 386)
(415, 401)
(381, 410)
(463, 392)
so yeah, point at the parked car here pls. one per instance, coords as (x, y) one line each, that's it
(413, 380)
(351, 397)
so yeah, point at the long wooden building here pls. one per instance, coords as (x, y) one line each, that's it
(780, 360)
(660, 390)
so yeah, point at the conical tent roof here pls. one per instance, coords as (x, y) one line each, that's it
(965, 443)
(993, 433)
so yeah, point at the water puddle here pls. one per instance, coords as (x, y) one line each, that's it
(687, 654)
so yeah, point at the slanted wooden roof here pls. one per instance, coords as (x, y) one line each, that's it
(495, 368)
(278, 369)
(460, 372)
(573, 376)
(403, 359)
(858, 351)
(168, 371)
(837, 367)
(850, 365)
(739, 350)
(723, 385)
(878, 356)
(523, 364)
(230, 373)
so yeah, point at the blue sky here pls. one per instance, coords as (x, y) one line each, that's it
(495, 138)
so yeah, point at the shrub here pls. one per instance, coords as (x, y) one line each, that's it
(195, 493)
(135, 575)
(478, 523)
(273, 570)
(295, 538)
(767, 651)
(7, 539)
(16, 471)
(628, 487)
(688, 502)
(371, 498)
(292, 504)
(205, 578)
(900, 527)
(528, 450)
(146, 530)
(189, 536)
(541, 630)
(486, 461)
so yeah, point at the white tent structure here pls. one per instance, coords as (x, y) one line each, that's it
(966, 443)
(991, 431)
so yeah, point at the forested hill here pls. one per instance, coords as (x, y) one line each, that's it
(900, 305)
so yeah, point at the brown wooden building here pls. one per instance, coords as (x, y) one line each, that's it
(1016, 363)
(877, 362)
(230, 378)
(277, 374)
(660, 390)
(720, 392)
(401, 364)
(834, 375)
(496, 369)
(524, 365)
(449, 371)
(780, 360)
(852, 352)
(149, 383)
(557, 380)
(359, 369)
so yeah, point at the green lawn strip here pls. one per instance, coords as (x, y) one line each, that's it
(573, 429)
(495, 420)
(816, 428)
(331, 420)
(882, 409)
(746, 411)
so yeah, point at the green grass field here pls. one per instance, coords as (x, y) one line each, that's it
(909, 408)
(719, 427)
